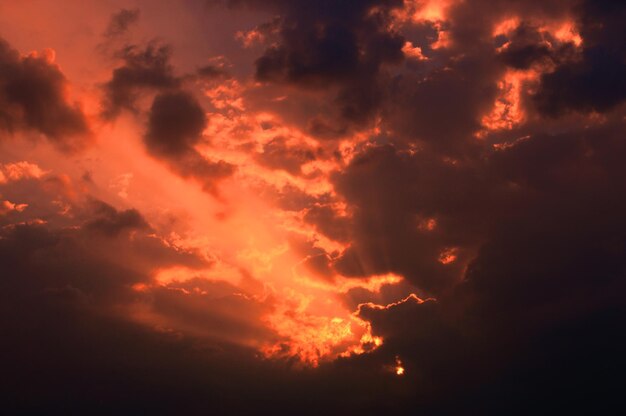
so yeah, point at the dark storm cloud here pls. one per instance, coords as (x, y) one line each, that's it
(393, 194)
(598, 74)
(537, 320)
(175, 126)
(538, 313)
(109, 221)
(320, 42)
(422, 108)
(144, 69)
(440, 103)
(526, 47)
(33, 97)
(530, 313)
(327, 222)
(326, 44)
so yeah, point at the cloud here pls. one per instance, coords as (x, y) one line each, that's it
(390, 193)
(460, 215)
(143, 69)
(597, 74)
(525, 47)
(210, 72)
(175, 126)
(277, 154)
(175, 121)
(121, 21)
(531, 303)
(19, 170)
(542, 286)
(84, 295)
(63, 308)
(330, 46)
(33, 97)
(110, 222)
(328, 222)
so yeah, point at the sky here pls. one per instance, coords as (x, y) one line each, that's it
(339, 207)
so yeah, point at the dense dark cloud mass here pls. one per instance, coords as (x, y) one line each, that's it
(175, 125)
(67, 291)
(427, 197)
(325, 45)
(537, 316)
(33, 97)
(111, 222)
(598, 74)
(144, 69)
(65, 354)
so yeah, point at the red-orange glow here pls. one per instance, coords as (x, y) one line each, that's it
(19, 170)
(508, 111)
(443, 39)
(226, 95)
(563, 30)
(506, 26)
(413, 52)
(244, 238)
(427, 224)
(310, 322)
(425, 10)
(315, 333)
(567, 32)
(250, 38)
(399, 368)
(412, 297)
(504, 146)
(312, 339)
(169, 275)
(249, 206)
(140, 287)
(448, 255)
(419, 11)
(8, 206)
(342, 285)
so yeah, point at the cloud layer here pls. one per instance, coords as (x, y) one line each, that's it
(359, 207)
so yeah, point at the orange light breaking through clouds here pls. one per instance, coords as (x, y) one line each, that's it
(399, 368)
(448, 255)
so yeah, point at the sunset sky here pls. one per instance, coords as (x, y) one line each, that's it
(329, 207)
